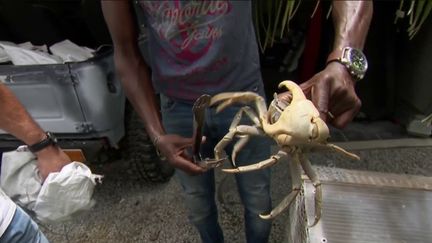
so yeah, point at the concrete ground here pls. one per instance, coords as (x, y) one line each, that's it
(128, 211)
(132, 211)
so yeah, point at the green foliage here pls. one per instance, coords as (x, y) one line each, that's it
(418, 11)
(272, 17)
(427, 120)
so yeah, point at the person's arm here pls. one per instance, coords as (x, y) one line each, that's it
(15, 120)
(351, 20)
(135, 78)
(332, 90)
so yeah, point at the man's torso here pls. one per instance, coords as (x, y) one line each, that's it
(198, 47)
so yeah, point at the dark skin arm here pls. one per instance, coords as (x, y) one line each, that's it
(136, 81)
(16, 121)
(332, 89)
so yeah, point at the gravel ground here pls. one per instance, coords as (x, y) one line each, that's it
(131, 211)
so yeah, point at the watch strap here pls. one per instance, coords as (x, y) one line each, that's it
(338, 55)
(335, 55)
(355, 76)
(49, 140)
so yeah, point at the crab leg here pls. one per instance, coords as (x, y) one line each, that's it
(307, 167)
(295, 170)
(218, 150)
(243, 140)
(229, 98)
(234, 130)
(260, 165)
(245, 133)
(342, 151)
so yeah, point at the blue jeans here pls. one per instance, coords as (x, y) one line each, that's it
(22, 229)
(253, 187)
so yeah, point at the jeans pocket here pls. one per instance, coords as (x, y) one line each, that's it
(167, 104)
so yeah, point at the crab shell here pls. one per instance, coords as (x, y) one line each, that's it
(295, 122)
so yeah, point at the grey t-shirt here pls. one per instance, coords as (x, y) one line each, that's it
(198, 47)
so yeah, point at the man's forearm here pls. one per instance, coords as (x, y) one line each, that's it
(351, 20)
(130, 65)
(138, 87)
(16, 120)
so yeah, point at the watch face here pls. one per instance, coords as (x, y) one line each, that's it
(357, 60)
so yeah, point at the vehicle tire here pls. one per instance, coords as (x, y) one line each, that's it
(139, 152)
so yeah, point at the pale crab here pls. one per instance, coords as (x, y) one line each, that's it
(296, 127)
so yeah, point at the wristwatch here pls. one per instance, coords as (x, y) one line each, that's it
(49, 140)
(353, 59)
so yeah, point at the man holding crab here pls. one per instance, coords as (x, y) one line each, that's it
(198, 47)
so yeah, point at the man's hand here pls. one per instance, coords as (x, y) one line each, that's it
(174, 148)
(51, 159)
(332, 92)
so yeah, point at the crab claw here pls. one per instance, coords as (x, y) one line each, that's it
(297, 92)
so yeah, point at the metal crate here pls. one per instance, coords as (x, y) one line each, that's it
(361, 206)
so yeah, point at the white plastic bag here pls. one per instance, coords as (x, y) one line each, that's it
(62, 195)
(71, 52)
(24, 56)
